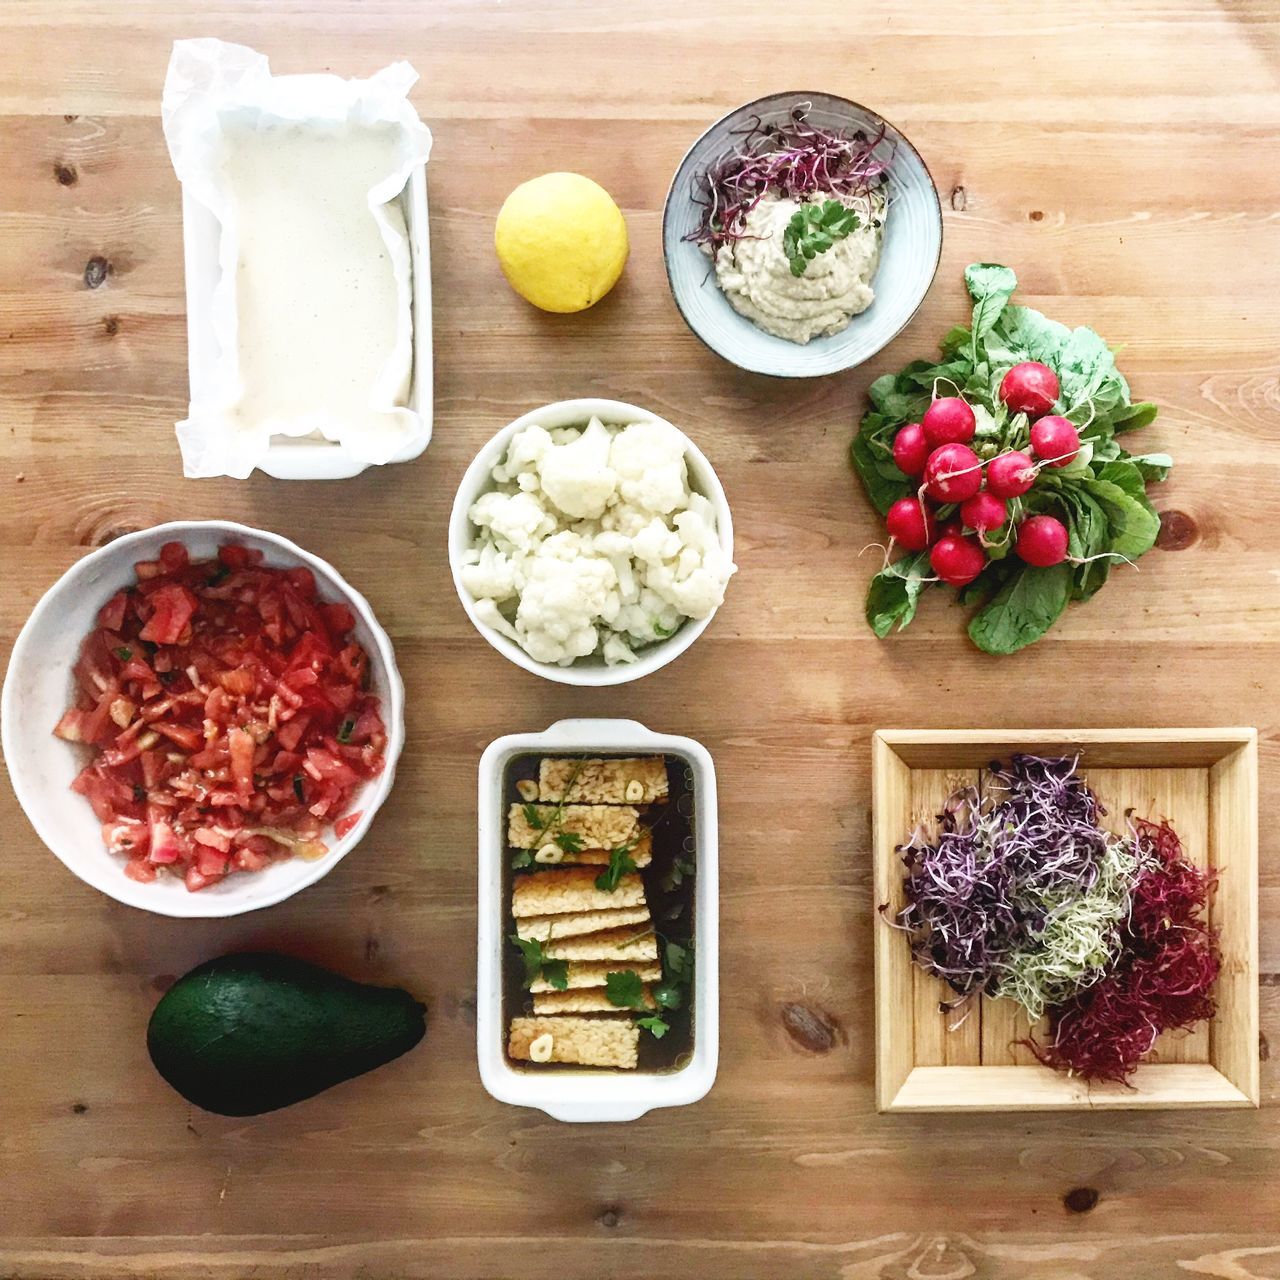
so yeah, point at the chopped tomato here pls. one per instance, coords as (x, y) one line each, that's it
(344, 826)
(111, 615)
(228, 716)
(172, 606)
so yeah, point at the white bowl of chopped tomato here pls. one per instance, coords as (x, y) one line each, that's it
(202, 718)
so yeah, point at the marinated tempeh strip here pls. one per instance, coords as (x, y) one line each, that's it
(552, 854)
(627, 944)
(598, 826)
(586, 1042)
(586, 1000)
(549, 893)
(572, 924)
(595, 973)
(641, 780)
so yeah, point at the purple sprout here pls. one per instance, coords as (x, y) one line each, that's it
(999, 865)
(794, 159)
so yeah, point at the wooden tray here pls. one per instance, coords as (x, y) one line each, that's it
(1205, 781)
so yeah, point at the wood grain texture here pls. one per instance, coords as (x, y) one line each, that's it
(1124, 160)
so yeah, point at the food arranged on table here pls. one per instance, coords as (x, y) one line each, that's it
(591, 542)
(792, 217)
(800, 234)
(582, 835)
(998, 471)
(237, 710)
(228, 714)
(252, 1032)
(1065, 919)
(598, 904)
(296, 369)
(1021, 894)
(226, 704)
(561, 241)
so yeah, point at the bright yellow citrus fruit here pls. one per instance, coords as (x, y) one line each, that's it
(561, 241)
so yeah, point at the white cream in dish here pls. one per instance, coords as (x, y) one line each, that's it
(592, 541)
(755, 273)
(321, 312)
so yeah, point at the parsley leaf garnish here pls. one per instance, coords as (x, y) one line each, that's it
(533, 817)
(813, 229)
(625, 989)
(654, 1025)
(521, 858)
(621, 863)
(536, 964)
(569, 841)
(667, 995)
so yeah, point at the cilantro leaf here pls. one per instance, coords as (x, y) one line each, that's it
(531, 951)
(667, 995)
(621, 863)
(625, 989)
(569, 842)
(521, 858)
(654, 1025)
(815, 228)
(536, 964)
(533, 817)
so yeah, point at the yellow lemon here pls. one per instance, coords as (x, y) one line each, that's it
(561, 241)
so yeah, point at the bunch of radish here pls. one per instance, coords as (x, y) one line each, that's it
(936, 451)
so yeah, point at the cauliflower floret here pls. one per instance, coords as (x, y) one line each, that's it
(492, 575)
(649, 460)
(577, 476)
(617, 651)
(523, 454)
(562, 600)
(596, 537)
(516, 518)
(655, 542)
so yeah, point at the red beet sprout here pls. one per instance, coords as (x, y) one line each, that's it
(1162, 979)
(795, 159)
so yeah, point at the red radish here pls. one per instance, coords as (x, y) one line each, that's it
(1055, 440)
(1042, 541)
(983, 512)
(1009, 475)
(953, 473)
(957, 560)
(910, 449)
(910, 524)
(1030, 388)
(948, 421)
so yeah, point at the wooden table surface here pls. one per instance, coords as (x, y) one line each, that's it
(1123, 158)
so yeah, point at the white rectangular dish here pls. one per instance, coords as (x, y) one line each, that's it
(590, 1094)
(305, 459)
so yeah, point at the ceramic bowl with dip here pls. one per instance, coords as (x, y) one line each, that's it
(813, 276)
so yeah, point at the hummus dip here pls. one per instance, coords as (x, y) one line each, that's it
(755, 274)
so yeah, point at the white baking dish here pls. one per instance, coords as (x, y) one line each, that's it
(589, 1094)
(305, 459)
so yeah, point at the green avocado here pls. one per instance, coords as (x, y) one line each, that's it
(248, 1033)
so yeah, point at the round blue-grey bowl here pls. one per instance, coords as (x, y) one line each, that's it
(909, 254)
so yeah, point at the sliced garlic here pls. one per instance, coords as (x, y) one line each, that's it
(549, 853)
(527, 788)
(634, 791)
(540, 1049)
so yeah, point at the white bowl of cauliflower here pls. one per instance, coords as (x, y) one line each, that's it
(591, 542)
